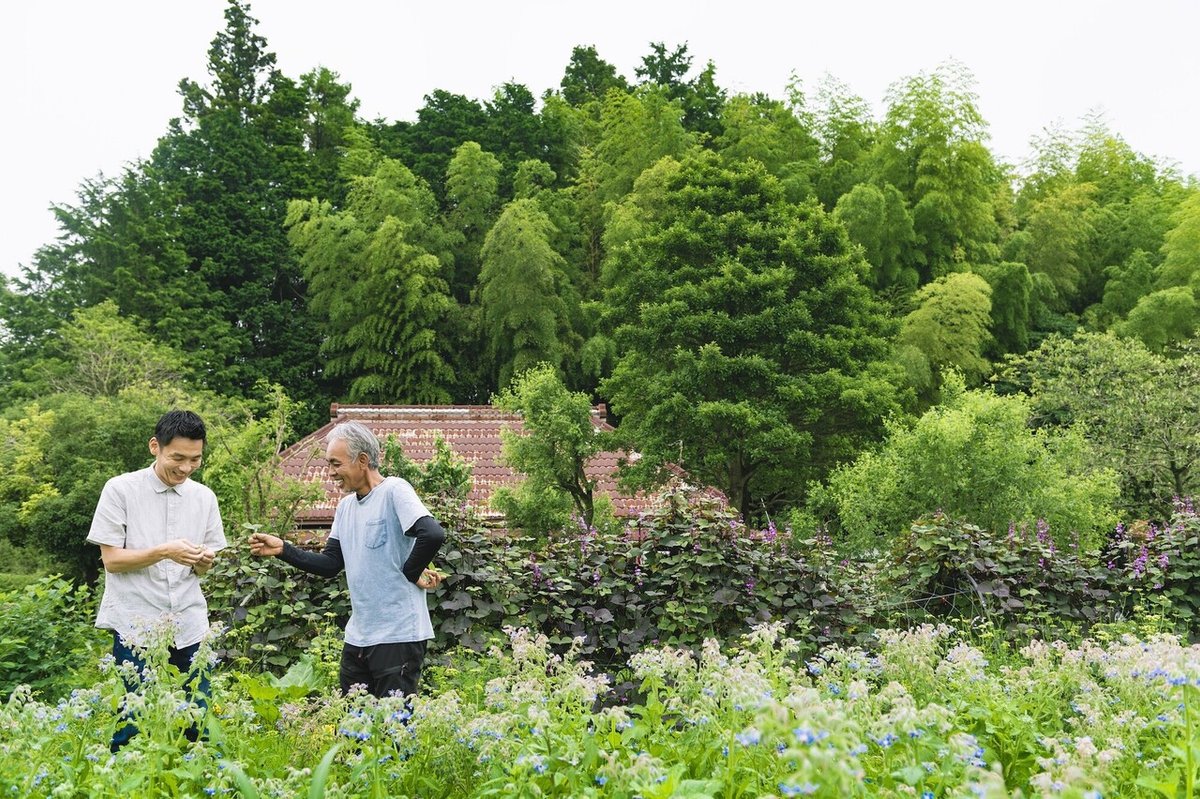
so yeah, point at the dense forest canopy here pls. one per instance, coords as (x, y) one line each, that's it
(763, 288)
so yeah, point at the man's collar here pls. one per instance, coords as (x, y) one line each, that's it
(157, 484)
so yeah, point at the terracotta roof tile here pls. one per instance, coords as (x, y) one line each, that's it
(472, 431)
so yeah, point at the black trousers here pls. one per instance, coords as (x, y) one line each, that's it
(384, 668)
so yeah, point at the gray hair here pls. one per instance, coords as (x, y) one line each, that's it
(359, 440)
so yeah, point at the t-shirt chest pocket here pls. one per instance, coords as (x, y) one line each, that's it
(376, 533)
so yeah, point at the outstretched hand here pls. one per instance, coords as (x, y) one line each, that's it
(265, 546)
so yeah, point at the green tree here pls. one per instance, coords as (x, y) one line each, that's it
(525, 296)
(745, 337)
(1139, 409)
(1163, 318)
(975, 457)
(931, 147)
(1181, 247)
(635, 131)
(1127, 283)
(558, 440)
(878, 220)
(1062, 237)
(330, 116)
(58, 452)
(230, 164)
(378, 289)
(755, 126)
(588, 77)
(120, 243)
(426, 146)
(700, 98)
(1012, 291)
(845, 133)
(472, 193)
(949, 328)
(513, 131)
(100, 353)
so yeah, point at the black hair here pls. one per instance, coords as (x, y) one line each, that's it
(179, 424)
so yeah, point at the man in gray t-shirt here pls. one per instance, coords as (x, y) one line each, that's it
(385, 539)
(158, 532)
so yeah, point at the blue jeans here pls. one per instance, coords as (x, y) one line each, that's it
(196, 685)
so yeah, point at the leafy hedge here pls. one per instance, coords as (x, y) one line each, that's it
(686, 571)
(945, 567)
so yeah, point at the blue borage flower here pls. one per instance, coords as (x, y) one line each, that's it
(806, 736)
(798, 789)
(749, 737)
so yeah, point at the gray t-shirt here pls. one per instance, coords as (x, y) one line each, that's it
(138, 511)
(386, 607)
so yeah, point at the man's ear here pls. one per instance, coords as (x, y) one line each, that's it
(153, 444)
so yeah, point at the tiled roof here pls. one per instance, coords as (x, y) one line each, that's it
(472, 431)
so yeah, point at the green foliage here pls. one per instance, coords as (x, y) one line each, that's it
(588, 77)
(636, 130)
(1022, 581)
(931, 148)
(974, 456)
(525, 294)
(926, 711)
(949, 328)
(375, 279)
(744, 336)
(59, 452)
(685, 571)
(1140, 411)
(99, 353)
(229, 164)
(755, 126)
(1127, 283)
(1012, 289)
(46, 635)
(443, 483)
(558, 439)
(878, 220)
(244, 469)
(271, 614)
(1163, 318)
(845, 135)
(472, 184)
(1061, 228)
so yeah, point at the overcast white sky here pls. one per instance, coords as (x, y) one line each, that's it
(93, 84)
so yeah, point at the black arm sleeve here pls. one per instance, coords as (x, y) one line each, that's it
(429, 535)
(328, 563)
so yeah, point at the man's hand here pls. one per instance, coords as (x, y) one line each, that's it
(265, 546)
(430, 579)
(205, 563)
(183, 552)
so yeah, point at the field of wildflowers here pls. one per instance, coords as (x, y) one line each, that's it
(924, 712)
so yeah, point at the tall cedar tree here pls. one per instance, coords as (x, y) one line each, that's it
(745, 334)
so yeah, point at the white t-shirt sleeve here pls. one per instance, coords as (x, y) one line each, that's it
(407, 505)
(109, 520)
(214, 530)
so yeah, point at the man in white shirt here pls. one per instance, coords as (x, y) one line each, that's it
(158, 532)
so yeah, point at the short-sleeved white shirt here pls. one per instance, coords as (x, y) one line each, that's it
(139, 511)
(385, 607)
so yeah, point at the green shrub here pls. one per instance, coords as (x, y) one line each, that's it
(685, 571)
(1022, 580)
(973, 457)
(46, 633)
